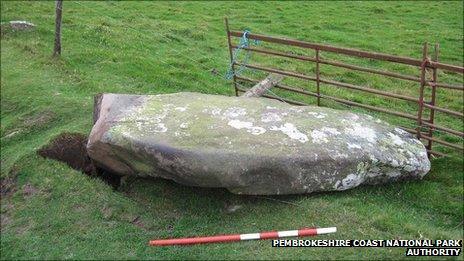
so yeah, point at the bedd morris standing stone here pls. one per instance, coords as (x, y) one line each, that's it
(249, 145)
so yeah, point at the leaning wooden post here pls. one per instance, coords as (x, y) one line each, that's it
(432, 100)
(421, 90)
(263, 86)
(58, 12)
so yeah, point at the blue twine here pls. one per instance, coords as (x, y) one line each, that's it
(244, 42)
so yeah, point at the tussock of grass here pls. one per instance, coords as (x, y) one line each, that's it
(56, 212)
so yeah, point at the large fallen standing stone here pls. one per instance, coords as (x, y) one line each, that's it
(249, 145)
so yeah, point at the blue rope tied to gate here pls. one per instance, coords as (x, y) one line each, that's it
(244, 42)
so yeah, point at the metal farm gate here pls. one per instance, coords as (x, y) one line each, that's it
(424, 115)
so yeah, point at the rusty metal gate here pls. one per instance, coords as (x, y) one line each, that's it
(427, 80)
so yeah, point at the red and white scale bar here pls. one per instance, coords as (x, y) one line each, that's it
(240, 237)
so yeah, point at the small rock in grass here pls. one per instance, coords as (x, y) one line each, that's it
(21, 25)
(233, 208)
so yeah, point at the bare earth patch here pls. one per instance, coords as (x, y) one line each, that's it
(7, 186)
(29, 190)
(5, 220)
(71, 148)
(38, 120)
(138, 222)
(8, 183)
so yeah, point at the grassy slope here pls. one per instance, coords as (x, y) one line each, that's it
(112, 48)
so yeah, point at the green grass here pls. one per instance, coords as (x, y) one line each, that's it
(144, 47)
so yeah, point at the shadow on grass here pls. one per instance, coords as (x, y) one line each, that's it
(438, 197)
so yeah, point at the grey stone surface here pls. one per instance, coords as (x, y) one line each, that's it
(250, 145)
(21, 25)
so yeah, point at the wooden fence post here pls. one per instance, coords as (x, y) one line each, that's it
(58, 12)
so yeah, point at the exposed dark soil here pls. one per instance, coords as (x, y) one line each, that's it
(138, 222)
(7, 186)
(70, 148)
(8, 183)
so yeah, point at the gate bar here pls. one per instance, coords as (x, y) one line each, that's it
(333, 63)
(353, 67)
(340, 100)
(454, 113)
(349, 51)
(340, 84)
(442, 142)
(457, 133)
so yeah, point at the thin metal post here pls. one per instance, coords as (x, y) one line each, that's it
(432, 101)
(317, 78)
(232, 64)
(421, 90)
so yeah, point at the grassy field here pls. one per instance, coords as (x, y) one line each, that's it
(51, 211)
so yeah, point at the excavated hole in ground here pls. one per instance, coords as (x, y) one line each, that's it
(70, 148)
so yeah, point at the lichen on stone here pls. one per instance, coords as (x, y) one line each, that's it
(258, 146)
